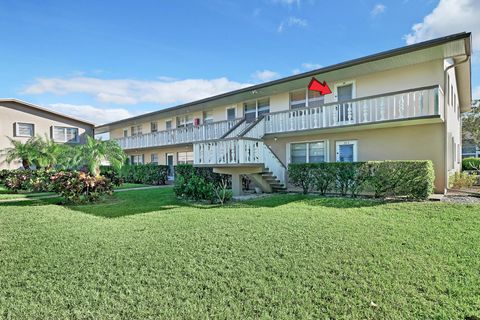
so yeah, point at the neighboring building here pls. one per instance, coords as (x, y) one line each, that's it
(21, 120)
(402, 104)
(469, 149)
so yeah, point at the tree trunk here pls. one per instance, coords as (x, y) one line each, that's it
(26, 164)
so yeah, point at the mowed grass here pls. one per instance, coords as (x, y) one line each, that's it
(131, 186)
(146, 255)
(6, 194)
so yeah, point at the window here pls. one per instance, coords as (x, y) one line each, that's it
(136, 159)
(65, 134)
(454, 152)
(263, 106)
(451, 95)
(250, 111)
(185, 121)
(153, 126)
(315, 99)
(207, 117)
(125, 133)
(298, 99)
(231, 114)
(256, 108)
(168, 124)
(24, 129)
(154, 158)
(305, 98)
(185, 157)
(136, 130)
(449, 92)
(346, 151)
(308, 152)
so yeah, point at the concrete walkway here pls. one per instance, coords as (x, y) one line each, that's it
(50, 196)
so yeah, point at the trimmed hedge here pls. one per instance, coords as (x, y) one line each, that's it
(471, 164)
(412, 179)
(195, 183)
(144, 173)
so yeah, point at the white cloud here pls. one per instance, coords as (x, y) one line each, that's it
(287, 2)
(378, 9)
(91, 113)
(450, 16)
(265, 75)
(291, 22)
(306, 66)
(476, 93)
(128, 91)
(311, 66)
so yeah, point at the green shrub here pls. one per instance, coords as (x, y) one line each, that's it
(471, 164)
(460, 180)
(187, 170)
(79, 187)
(324, 177)
(112, 174)
(27, 180)
(195, 183)
(412, 179)
(152, 174)
(301, 175)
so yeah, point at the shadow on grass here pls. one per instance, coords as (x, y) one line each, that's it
(163, 199)
(310, 200)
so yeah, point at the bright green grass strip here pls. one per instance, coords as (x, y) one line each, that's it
(6, 194)
(144, 254)
(131, 186)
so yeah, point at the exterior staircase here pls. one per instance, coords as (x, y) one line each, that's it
(241, 150)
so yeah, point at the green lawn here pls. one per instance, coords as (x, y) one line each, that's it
(131, 186)
(146, 255)
(6, 194)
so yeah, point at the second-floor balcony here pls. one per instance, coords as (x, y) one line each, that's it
(208, 131)
(418, 103)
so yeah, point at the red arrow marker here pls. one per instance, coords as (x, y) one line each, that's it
(321, 87)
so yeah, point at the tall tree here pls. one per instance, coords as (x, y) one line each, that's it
(94, 152)
(27, 152)
(471, 124)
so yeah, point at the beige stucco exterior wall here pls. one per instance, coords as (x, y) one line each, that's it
(11, 112)
(452, 111)
(162, 153)
(419, 75)
(415, 142)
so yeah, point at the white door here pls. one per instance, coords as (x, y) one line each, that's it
(346, 151)
(170, 166)
(344, 109)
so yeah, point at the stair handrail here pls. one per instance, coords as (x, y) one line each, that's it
(274, 164)
(258, 123)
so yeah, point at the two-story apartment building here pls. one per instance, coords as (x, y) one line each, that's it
(402, 104)
(21, 120)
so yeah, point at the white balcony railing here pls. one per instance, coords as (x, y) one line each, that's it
(387, 107)
(401, 105)
(235, 151)
(229, 151)
(209, 131)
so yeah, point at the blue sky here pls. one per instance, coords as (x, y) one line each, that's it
(107, 60)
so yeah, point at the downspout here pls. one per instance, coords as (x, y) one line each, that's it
(445, 115)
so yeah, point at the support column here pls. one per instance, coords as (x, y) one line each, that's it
(237, 184)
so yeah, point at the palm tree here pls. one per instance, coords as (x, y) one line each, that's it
(52, 154)
(93, 152)
(27, 152)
